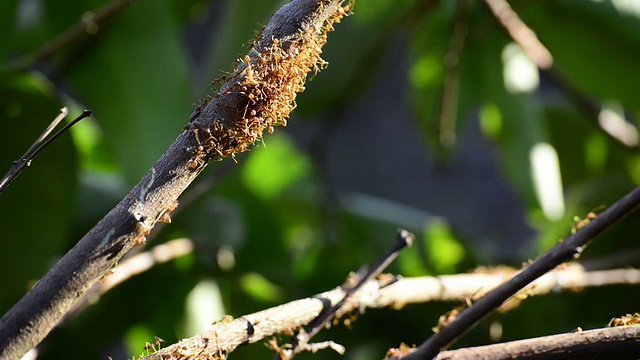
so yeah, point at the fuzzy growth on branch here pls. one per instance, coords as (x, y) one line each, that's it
(260, 94)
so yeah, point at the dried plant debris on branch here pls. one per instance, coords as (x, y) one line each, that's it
(256, 97)
(260, 94)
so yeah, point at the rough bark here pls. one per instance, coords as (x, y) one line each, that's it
(258, 95)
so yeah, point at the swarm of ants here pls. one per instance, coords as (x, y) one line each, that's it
(260, 94)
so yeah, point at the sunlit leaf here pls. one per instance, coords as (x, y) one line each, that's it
(271, 169)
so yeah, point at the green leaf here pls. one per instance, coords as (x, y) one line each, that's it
(491, 121)
(633, 164)
(411, 263)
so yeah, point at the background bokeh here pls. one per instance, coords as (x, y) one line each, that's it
(427, 118)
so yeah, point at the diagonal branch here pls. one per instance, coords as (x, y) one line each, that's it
(89, 25)
(133, 266)
(608, 343)
(450, 91)
(257, 96)
(300, 342)
(521, 33)
(565, 250)
(612, 125)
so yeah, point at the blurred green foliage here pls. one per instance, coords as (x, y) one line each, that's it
(323, 197)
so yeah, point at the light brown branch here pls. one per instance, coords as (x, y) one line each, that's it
(224, 337)
(521, 33)
(89, 25)
(618, 343)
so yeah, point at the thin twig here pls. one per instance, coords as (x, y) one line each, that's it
(356, 82)
(614, 127)
(38, 146)
(627, 257)
(88, 25)
(299, 342)
(569, 248)
(225, 336)
(85, 113)
(384, 292)
(253, 99)
(622, 132)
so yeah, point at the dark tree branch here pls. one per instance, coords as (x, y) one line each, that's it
(567, 249)
(133, 266)
(616, 128)
(620, 343)
(39, 145)
(301, 341)
(257, 96)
